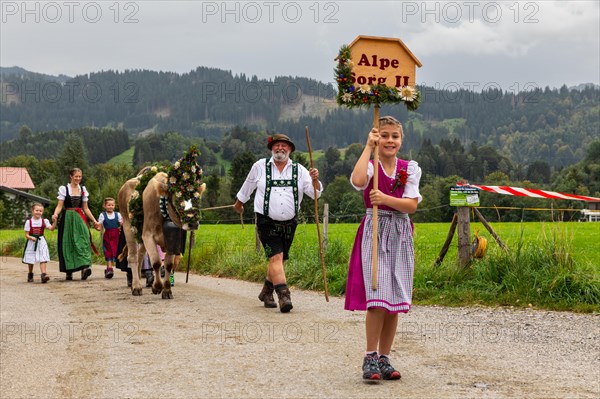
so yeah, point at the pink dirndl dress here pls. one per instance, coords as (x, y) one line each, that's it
(395, 257)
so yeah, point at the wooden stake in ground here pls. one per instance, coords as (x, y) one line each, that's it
(490, 229)
(317, 221)
(444, 250)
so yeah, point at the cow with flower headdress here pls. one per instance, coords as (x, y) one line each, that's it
(161, 205)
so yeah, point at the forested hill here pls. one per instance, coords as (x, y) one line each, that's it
(539, 124)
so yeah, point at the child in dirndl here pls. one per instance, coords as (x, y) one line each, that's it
(111, 222)
(397, 195)
(36, 249)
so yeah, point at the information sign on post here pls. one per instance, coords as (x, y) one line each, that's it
(464, 196)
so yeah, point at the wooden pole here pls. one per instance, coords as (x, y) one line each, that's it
(192, 237)
(375, 218)
(257, 243)
(444, 250)
(315, 184)
(490, 229)
(216, 207)
(325, 225)
(464, 231)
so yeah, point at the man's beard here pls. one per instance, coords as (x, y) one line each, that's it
(281, 156)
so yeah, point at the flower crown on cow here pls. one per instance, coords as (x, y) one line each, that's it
(185, 186)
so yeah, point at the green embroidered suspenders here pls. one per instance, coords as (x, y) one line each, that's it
(280, 183)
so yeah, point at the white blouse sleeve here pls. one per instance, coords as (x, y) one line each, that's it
(411, 190)
(85, 195)
(370, 172)
(62, 193)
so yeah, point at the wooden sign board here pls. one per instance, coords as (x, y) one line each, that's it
(382, 61)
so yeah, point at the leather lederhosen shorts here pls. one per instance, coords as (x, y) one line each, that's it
(276, 236)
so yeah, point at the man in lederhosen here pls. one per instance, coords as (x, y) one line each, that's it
(280, 184)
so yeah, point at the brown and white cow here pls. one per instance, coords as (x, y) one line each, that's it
(152, 232)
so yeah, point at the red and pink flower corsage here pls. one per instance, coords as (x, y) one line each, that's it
(401, 178)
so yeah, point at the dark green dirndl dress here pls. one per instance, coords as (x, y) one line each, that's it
(74, 244)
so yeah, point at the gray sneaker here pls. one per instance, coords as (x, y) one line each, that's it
(387, 370)
(371, 369)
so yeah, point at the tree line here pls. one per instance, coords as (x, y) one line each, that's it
(227, 162)
(100, 144)
(535, 124)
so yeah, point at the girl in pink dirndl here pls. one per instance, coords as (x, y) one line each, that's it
(110, 221)
(397, 196)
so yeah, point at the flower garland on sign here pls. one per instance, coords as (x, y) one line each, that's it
(185, 186)
(352, 95)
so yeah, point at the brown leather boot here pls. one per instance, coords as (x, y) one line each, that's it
(285, 300)
(266, 295)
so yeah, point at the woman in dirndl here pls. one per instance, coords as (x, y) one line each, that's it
(74, 236)
(396, 197)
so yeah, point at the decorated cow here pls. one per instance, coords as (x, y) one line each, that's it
(158, 207)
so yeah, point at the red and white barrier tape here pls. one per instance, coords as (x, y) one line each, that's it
(531, 192)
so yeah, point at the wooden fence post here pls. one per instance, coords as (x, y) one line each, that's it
(464, 232)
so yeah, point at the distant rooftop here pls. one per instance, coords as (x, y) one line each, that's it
(17, 178)
(23, 194)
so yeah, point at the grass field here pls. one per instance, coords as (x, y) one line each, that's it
(549, 265)
(126, 157)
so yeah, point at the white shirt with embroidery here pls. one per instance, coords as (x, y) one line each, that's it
(281, 202)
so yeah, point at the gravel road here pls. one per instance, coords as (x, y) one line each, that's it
(93, 339)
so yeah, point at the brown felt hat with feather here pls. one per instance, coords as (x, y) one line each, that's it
(279, 137)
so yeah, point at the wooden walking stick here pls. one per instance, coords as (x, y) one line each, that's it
(317, 220)
(192, 237)
(375, 244)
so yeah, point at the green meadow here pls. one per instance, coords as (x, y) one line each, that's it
(549, 265)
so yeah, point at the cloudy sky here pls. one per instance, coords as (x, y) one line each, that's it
(470, 44)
